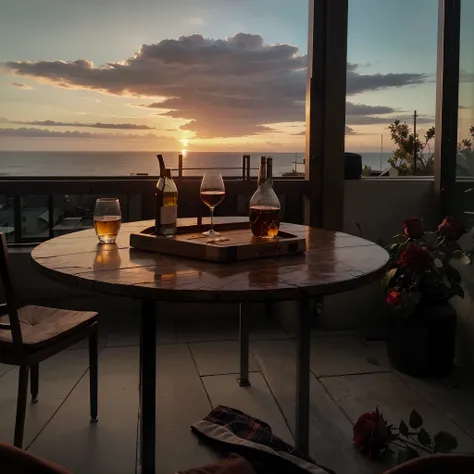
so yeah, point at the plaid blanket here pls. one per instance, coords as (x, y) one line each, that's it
(228, 429)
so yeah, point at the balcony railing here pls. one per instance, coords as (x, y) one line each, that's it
(36, 209)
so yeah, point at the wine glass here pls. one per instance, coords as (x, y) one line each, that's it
(212, 194)
(107, 219)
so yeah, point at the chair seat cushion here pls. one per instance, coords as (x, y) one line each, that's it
(17, 461)
(39, 323)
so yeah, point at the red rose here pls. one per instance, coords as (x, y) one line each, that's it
(452, 229)
(371, 434)
(394, 298)
(413, 228)
(415, 259)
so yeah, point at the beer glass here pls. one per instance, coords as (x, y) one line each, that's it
(107, 219)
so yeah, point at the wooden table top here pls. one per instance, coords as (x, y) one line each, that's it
(334, 262)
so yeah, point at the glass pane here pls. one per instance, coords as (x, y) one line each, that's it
(213, 80)
(465, 156)
(34, 217)
(74, 212)
(465, 161)
(462, 204)
(389, 77)
(7, 217)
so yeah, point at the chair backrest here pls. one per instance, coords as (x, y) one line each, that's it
(10, 306)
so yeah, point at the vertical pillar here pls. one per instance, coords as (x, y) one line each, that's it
(325, 113)
(447, 97)
(180, 166)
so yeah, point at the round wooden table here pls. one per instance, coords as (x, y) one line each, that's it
(333, 263)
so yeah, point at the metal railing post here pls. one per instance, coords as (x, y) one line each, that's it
(17, 218)
(180, 166)
(245, 167)
(50, 215)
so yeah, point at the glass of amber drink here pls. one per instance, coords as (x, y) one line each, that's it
(107, 219)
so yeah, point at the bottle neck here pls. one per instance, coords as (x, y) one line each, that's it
(161, 162)
(269, 174)
(262, 172)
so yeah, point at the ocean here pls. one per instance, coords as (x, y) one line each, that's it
(19, 163)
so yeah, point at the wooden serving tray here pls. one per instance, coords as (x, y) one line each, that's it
(240, 244)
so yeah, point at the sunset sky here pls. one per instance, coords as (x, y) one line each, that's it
(215, 75)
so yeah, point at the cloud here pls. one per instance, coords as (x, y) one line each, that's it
(43, 133)
(21, 85)
(362, 109)
(222, 87)
(361, 114)
(114, 126)
(357, 83)
(374, 120)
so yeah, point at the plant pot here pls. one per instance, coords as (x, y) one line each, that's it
(423, 344)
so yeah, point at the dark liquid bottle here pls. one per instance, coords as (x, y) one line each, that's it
(265, 209)
(166, 199)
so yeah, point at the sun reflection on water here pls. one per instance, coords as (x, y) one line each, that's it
(185, 144)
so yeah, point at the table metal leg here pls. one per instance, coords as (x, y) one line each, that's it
(244, 347)
(141, 356)
(148, 387)
(270, 310)
(303, 342)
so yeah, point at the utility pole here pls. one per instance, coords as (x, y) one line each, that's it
(414, 143)
(381, 151)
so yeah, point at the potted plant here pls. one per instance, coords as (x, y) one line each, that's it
(418, 286)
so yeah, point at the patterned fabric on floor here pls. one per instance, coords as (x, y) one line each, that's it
(230, 430)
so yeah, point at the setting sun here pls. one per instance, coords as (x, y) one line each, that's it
(184, 143)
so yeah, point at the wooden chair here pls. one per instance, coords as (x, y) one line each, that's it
(31, 334)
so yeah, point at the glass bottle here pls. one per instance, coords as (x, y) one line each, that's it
(166, 199)
(265, 209)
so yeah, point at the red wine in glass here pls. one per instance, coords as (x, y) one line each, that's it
(212, 198)
(212, 194)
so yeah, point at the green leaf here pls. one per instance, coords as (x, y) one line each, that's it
(403, 428)
(445, 442)
(452, 273)
(446, 282)
(415, 420)
(407, 454)
(424, 438)
(458, 290)
(388, 277)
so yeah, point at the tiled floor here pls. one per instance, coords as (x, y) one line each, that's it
(197, 367)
